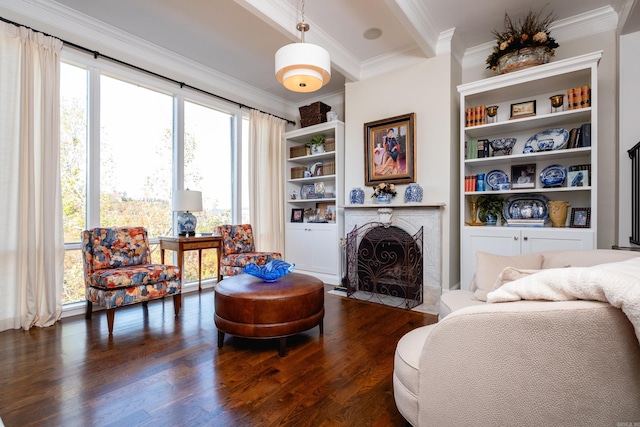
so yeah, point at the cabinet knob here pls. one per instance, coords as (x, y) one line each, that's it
(515, 237)
(526, 238)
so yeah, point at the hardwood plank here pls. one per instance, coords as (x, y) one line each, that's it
(159, 370)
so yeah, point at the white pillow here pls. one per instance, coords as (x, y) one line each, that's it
(489, 266)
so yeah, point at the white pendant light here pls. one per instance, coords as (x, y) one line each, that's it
(303, 67)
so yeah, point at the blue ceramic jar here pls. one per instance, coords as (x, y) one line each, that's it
(413, 194)
(356, 196)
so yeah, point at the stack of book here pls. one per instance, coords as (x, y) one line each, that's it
(476, 149)
(534, 222)
(580, 137)
(470, 182)
(579, 97)
(475, 116)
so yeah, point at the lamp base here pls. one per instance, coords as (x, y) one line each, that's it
(186, 224)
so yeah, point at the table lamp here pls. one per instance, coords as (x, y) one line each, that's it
(185, 202)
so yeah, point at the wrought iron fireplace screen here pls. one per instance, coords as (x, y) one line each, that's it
(385, 264)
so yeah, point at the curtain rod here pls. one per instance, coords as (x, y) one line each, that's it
(97, 54)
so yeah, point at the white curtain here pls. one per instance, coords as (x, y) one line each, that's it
(266, 181)
(31, 239)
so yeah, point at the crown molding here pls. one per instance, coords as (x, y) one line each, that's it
(70, 25)
(585, 24)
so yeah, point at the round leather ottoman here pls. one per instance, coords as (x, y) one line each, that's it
(246, 306)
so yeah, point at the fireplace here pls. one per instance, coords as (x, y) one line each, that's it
(384, 264)
(406, 271)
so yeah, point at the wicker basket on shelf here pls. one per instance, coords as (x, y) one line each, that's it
(297, 151)
(298, 172)
(330, 144)
(329, 168)
(313, 114)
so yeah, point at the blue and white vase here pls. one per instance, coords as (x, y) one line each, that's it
(413, 194)
(356, 196)
(384, 198)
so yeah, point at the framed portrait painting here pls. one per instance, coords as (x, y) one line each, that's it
(390, 149)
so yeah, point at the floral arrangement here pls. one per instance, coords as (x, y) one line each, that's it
(532, 31)
(384, 188)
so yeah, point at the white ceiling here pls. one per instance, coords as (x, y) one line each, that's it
(240, 37)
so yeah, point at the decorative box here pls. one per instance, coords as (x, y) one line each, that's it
(313, 114)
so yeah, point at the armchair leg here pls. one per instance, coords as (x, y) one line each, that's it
(177, 303)
(89, 310)
(110, 316)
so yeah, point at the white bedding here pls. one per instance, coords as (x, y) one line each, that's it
(617, 283)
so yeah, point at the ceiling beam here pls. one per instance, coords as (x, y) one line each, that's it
(415, 18)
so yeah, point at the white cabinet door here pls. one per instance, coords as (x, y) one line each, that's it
(555, 240)
(312, 247)
(495, 240)
(515, 241)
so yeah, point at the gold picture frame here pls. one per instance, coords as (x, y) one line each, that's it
(523, 109)
(390, 150)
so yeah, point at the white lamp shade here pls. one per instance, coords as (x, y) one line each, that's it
(303, 67)
(187, 200)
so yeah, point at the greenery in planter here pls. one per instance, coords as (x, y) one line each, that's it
(490, 205)
(531, 31)
(317, 140)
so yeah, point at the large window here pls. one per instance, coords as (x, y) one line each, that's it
(73, 173)
(135, 156)
(118, 166)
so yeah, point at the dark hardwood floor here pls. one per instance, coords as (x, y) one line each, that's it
(158, 370)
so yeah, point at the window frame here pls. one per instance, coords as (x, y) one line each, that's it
(96, 67)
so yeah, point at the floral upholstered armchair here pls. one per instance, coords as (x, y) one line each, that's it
(238, 249)
(118, 271)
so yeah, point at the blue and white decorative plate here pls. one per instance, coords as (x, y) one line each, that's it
(495, 178)
(559, 136)
(553, 176)
(526, 206)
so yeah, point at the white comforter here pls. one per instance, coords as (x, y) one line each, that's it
(617, 283)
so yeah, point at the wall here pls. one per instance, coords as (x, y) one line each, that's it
(629, 127)
(607, 122)
(424, 89)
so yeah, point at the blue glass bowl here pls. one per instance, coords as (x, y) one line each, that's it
(271, 271)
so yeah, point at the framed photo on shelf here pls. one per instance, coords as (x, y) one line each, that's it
(580, 218)
(523, 109)
(297, 215)
(578, 178)
(390, 149)
(523, 176)
(327, 210)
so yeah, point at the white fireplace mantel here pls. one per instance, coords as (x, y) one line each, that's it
(409, 217)
(393, 205)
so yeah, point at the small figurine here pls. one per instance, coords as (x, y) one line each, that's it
(294, 195)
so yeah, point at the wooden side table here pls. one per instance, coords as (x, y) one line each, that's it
(183, 244)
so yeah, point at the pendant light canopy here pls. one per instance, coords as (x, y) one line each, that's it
(303, 67)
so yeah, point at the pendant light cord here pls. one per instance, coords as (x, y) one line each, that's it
(97, 55)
